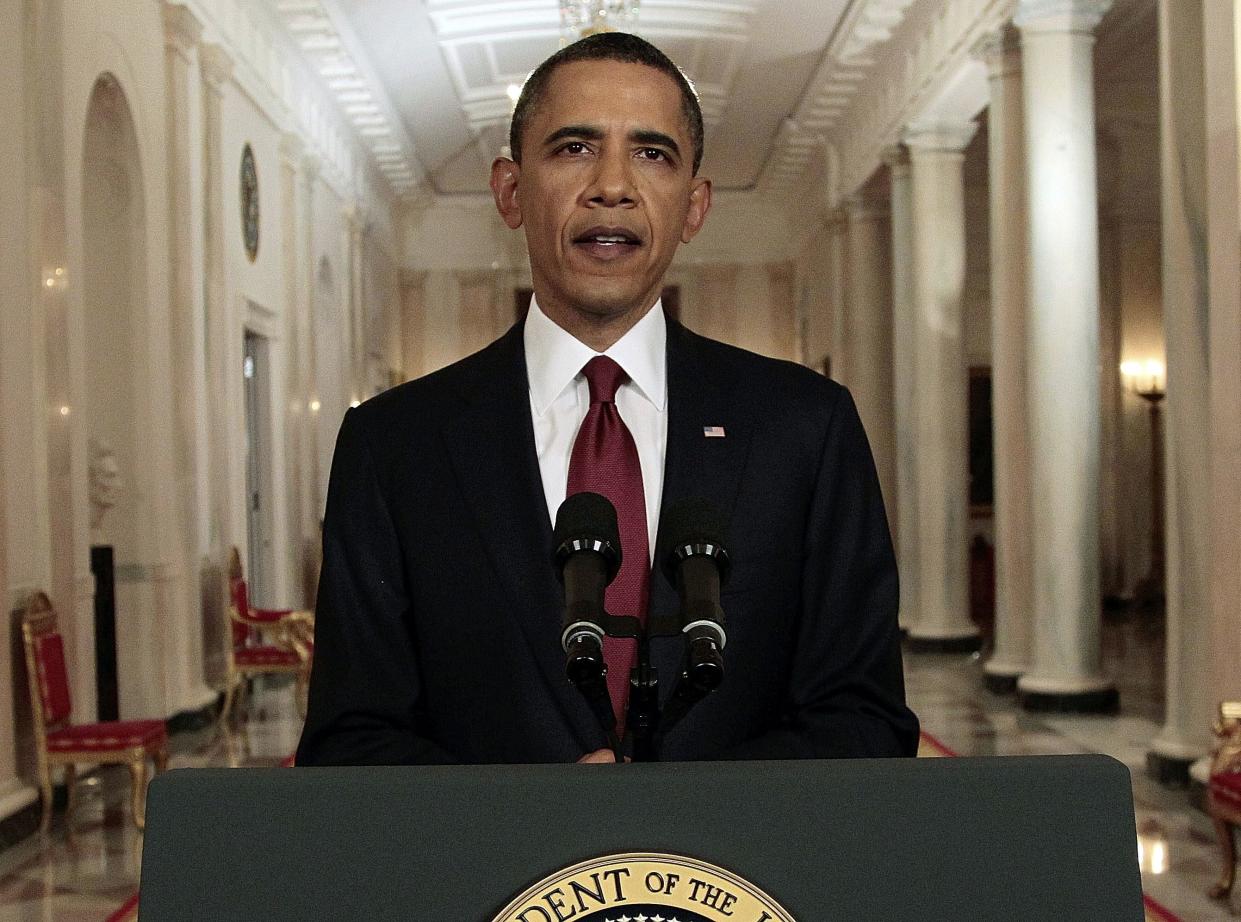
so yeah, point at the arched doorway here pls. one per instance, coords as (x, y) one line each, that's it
(113, 298)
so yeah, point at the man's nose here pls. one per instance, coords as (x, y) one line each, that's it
(613, 185)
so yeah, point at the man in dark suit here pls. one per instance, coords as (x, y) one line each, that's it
(439, 615)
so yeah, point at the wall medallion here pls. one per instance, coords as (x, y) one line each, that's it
(249, 203)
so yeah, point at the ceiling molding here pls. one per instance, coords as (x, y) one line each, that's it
(329, 47)
(840, 75)
(908, 84)
(489, 45)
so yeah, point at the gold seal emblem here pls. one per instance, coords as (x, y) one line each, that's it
(644, 888)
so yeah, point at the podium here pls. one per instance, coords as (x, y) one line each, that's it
(1047, 837)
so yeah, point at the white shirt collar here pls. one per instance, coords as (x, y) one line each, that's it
(554, 357)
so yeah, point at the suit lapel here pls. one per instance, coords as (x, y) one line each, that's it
(492, 448)
(695, 465)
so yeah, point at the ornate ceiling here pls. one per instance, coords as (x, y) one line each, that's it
(425, 83)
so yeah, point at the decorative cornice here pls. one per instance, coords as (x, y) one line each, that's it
(906, 81)
(1060, 15)
(183, 30)
(319, 32)
(840, 75)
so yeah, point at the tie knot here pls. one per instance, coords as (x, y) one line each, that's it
(604, 377)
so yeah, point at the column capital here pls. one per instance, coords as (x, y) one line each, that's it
(357, 220)
(310, 166)
(183, 30)
(217, 64)
(944, 137)
(895, 157)
(292, 148)
(1000, 50)
(866, 205)
(1060, 15)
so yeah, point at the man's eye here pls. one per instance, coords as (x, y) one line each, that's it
(652, 153)
(574, 147)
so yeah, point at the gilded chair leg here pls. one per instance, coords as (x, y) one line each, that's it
(1228, 855)
(138, 776)
(303, 692)
(243, 705)
(226, 711)
(161, 760)
(45, 794)
(71, 779)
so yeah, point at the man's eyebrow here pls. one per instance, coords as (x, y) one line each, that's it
(646, 136)
(593, 133)
(589, 132)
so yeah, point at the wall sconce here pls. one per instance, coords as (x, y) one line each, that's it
(55, 279)
(1149, 379)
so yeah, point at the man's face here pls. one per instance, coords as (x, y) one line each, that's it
(605, 189)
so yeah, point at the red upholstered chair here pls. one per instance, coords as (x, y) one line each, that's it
(1224, 791)
(265, 641)
(59, 740)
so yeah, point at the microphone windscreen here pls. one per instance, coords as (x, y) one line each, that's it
(689, 521)
(694, 521)
(586, 515)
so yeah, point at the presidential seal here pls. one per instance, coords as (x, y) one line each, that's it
(644, 888)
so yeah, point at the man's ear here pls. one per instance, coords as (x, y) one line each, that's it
(504, 176)
(699, 205)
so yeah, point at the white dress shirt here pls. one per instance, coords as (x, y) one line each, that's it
(560, 397)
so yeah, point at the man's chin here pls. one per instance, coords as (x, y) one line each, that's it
(602, 309)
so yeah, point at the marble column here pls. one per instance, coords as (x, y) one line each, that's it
(183, 31)
(1113, 501)
(870, 319)
(1224, 270)
(355, 224)
(1057, 39)
(316, 494)
(1010, 418)
(24, 538)
(904, 362)
(837, 247)
(937, 153)
(1188, 710)
(216, 68)
(297, 409)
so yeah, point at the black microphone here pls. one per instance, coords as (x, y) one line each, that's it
(695, 561)
(587, 557)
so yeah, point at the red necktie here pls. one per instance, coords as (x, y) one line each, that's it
(605, 460)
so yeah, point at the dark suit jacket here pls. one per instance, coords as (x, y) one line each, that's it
(439, 613)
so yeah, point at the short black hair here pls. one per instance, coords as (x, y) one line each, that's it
(606, 46)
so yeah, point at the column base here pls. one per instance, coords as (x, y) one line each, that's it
(969, 643)
(196, 718)
(25, 822)
(1000, 678)
(1000, 684)
(1169, 771)
(20, 811)
(1095, 701)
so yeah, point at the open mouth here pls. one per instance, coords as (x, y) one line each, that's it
(607, 242)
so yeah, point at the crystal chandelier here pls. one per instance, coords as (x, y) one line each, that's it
(579, 18)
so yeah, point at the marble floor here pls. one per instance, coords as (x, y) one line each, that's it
(89, 872)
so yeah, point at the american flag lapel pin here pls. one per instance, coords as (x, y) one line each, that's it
(713, 432)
